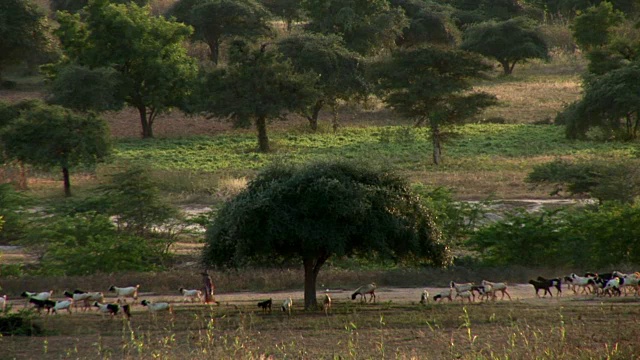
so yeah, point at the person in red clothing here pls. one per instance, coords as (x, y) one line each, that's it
(209, 288)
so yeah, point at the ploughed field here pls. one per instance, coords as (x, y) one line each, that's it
(396, 326)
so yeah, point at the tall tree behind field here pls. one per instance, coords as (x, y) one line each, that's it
(429, 22)
(367, 26)
(23, 31)
(215, 21)
(288, 10)
(340, 73)
(147, 52)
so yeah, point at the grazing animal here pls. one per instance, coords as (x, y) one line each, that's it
(446, 294)
(62, 305)
(586, 283)
(461, 287)
(125, 292)
(555, 282)
(326, 304)
(363, 291)
(287, 305)
(495, 287)
(112, 309)
(467, 294)
(265, 305)
(155, 307)
(424, 297)
(545, 285)
(3, 303)
(613, 286)
(45, 295)
(193, 295)
(42, 304)
(85, 298)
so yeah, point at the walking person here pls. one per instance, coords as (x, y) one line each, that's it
(208, 288)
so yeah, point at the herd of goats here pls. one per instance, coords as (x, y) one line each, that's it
(609, 284)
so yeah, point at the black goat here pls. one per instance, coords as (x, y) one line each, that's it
(555, 282)
(265, 305)
(42, 304)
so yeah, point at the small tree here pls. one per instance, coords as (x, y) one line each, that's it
(83, 89)
(593, 28)
(23, 29)
(312, 213)
(432, 85)
(52, 136)
(147, 52)
(258, 86)
(509, 42)
(340, 74)
(217, 20)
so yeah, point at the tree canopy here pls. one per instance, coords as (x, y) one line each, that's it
(257, 86)
(432, 85)
(83, 89)
(428, 23)
(147, 51)
(52, 136)
(339, 71)
(23, 30)
(311, 213)
(217, 20)
(288, 10)
(367, 26)
(509, 42)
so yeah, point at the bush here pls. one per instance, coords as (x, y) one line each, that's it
(13, 214)
(89, 243)
(590, 237)
(19, 324)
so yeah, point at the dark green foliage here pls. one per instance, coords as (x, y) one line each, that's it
(258, 86)
(509, 42)
(22, 323)
(468, 12)
(74, 6)
(568, 9)
(602, 180)
(429, 22)
(593, 27)
(23, 31)
(288, 10)
(84, 89)
(591, 237)
(367, 26)
(147, 51)
(13, 213)
(430, 85)
(339, 71)
(217, 20)
(610, 103)
(321, 210)
(52, 136)
(88, 243)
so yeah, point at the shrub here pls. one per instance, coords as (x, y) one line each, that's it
(21, 323)
(88, 243)
(12, 213)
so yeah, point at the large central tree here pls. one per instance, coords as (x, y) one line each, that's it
(311, 213)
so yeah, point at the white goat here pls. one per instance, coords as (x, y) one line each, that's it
(612, 285)
(462, 287)
(45, 295)
(287, 305)
(3, 303)
(63, 305)
(159, 306)
(192, 295)
(587, 283)
(363, 291)
(495, 287)
(125, 292)
(466, 294)
(424, 297)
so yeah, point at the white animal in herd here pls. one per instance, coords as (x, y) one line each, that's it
(192, 295)
(125, 292)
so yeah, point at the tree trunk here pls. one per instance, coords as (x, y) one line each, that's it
(263, 139)
(506, 68)
(67, 181)
(214, 51)
(437, 149)
(313, 119)
(334, 118)
(312, 267)
(147, 129)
